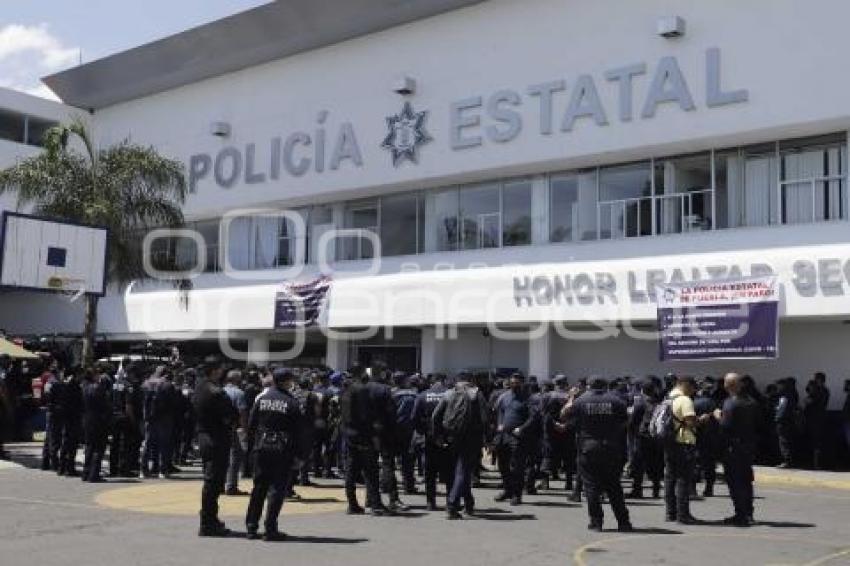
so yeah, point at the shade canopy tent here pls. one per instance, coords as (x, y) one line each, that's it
(14, 351)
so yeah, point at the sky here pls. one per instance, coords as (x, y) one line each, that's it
(41, 37)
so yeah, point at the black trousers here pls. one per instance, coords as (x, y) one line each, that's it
(52, 441)
(738, 469)
(465, 460)
(512, 456)
(647, 461)
(96, 436)
(679, 465)
(271, 475)
(556, 456)
(362, 458)
(215, 457)
(71, 432)
(785, 433)
(437, 462)
(389, 455)
(121, 457)
(600, 468)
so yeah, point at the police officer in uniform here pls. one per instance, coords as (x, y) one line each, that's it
(738, 420)
(96, 415)
(556, 439)
(71, 403)
(215, 417)
(404, 398)
(53, 393)
(274, 425)
(600, 418)
(120, 455)
(358, 426)
(515, 420)
(436, 449)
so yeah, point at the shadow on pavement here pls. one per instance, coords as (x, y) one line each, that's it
(505, 517)
(784, 525)
(553, 504)
(322, 540)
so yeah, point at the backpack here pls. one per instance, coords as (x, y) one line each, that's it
(661, 426)
(646, 421)
(459, 415)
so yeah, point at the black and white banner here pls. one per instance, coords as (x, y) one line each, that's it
(300, 306)
(719, 319)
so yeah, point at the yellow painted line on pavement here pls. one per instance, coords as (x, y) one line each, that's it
(800, 481)
(183, 498)
(829, 558)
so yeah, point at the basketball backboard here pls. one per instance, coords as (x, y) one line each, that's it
(44, 254)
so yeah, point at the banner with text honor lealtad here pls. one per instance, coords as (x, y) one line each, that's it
(729, 319)
(300, 305)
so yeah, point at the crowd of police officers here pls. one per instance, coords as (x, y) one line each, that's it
(279, 426)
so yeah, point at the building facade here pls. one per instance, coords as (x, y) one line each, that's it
(492, 183)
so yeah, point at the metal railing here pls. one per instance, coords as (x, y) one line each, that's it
(667, 214)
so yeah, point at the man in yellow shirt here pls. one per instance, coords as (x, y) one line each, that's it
(680, 453)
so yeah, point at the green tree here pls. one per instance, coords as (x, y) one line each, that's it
(126, 188)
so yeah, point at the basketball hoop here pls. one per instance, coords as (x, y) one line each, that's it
(73, 287)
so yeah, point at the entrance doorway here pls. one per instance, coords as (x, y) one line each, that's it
(401, 358)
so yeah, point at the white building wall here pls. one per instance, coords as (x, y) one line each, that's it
(473, 350)
(504, 44)
(804, 348)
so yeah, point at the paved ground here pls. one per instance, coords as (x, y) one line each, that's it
(804, 519)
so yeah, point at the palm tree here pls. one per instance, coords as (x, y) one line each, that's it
(126, 188)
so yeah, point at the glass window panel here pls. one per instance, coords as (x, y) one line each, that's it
(812, 171)
(36, 128)
(626, 209)
(683, 187)
(399, 225)
(516, 213)
(240, 242)
(361, 215)
(12, 126)
(209, 230)
(442, 220)
(480, 217)
(320, 220)
(573, 207)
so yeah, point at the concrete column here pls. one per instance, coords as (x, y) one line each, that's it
(540, 354)
(258, 349)
(540, 210)
(431, 351)
(337, 354)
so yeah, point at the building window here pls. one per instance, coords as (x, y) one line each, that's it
(362, 216)
(812, 185)
(13, 126)
(480, 217)
(516, 213)
(319, 221)
(573, 206)
(441, 220)
(36, 129)
(625, 201)
(209, 229)
(684, 196)
(20, 128)
(290, 244)
(400, 224)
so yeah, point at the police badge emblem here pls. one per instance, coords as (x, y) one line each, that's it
(406, 133)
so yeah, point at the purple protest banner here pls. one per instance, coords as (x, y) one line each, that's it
(727, 319)
(299, 306)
